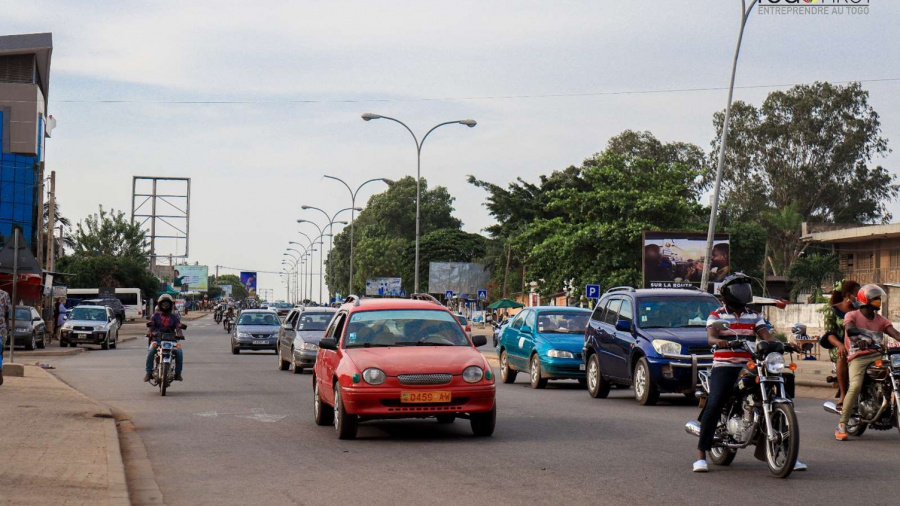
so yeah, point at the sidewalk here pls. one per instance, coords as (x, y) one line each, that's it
(58, 446)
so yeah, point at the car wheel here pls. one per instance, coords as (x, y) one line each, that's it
(43, 342)
(446, 419)
(115, 343)
(483, 424)
(323, 413)
(283, 365)
(597, 386)
(105, 344)
(507, 374)
(536, 380)
(645, 392)
(345, 424)
(235, 351)
(32, 344)
(63, 344)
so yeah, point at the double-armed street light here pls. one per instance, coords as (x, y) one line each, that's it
(467, 122)
(353, 208)
(322, 236)
(331, 223)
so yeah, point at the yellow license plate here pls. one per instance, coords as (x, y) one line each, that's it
(425, 397)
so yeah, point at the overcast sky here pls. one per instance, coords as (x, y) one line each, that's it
(309, 69)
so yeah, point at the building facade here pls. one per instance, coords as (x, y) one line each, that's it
(24, 128)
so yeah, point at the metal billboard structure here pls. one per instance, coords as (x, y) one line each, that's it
(162, 206)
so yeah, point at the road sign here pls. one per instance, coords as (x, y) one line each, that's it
(448, 294)
(592, 291)
(482, 294)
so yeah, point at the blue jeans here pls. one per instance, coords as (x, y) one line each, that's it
(177, 353)
(2, 345)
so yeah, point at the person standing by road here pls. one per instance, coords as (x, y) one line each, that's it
(4, 309)
(59, 315)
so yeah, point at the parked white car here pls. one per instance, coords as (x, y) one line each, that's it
(90, 325)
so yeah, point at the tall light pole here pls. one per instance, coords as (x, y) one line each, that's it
(353, 208)
(296, 263)
(714, 209)
(331, 223)
(303, 255)
(321, 252)
(309, 254)
(468, 122)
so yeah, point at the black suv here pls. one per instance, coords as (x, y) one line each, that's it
(115, 304)
(652, 339)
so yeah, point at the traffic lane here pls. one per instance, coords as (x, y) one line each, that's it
(550, 445)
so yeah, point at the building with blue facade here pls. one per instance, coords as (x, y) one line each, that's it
(24, 87)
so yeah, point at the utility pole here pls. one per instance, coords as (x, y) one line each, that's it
(51, 223)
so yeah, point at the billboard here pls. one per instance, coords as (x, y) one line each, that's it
(226, 291)
(248, 279)
(194, 276)
(384, 286)
(675, 259)
(461, 278)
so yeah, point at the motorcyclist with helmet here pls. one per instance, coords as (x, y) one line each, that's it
(229, 312)
(164, 320)
(860, 327)
(730, 356)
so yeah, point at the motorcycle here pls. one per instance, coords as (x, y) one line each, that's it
(758, 412)
(163, 361)
(878, 405)
(217, 315)
(229, 324)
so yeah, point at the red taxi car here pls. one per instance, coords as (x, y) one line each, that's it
(400, 358)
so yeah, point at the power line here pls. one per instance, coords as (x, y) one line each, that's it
(444, 99)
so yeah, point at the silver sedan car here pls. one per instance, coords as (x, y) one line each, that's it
(298, 339)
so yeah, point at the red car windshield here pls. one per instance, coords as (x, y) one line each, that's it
(403, 327)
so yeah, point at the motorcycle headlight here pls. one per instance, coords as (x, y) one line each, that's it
(774, 363)
(374, 376)
(895, 361)
(473, 374)
(244, 335)
(309, 346)
(560, 354)
(663, 346)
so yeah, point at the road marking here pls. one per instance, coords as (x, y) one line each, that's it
(258, 414)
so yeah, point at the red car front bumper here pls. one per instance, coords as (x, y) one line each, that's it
(368, 401)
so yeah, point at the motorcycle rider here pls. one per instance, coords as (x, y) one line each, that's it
(861, 355)
(164, 320)
(843, 300)
(229, 312)
(730, 356)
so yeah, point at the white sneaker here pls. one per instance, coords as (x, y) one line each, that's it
(799, 466)
(700, 466)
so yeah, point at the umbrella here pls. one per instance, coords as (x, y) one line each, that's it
(504, 304)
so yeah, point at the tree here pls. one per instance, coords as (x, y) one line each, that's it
(809, 273)
(59, 220)
(748, 247)
(110, 234)
(109, 251)
(446, 245)
(586, 222)
(238, 291)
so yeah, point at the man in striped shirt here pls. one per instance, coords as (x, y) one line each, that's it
(730, 357)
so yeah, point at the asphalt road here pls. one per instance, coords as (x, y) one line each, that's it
(238, 431)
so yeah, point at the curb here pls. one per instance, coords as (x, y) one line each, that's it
(118, 489)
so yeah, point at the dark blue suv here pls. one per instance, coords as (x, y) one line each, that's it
(651, 339)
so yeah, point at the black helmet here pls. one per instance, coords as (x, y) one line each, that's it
(736, 290)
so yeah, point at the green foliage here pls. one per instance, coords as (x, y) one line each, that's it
(748, 248)
(809, 273)
(585, 223)
(238, 292)
(109, 234)
(109, 251)
(445, 245)
(384, 237)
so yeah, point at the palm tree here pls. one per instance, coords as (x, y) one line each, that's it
(60, 220)
(809, 273)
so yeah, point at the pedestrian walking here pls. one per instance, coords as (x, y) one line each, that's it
(59, 316)
(4, 311)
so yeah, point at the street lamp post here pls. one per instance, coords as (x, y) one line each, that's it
(321, 259)
(331, 223)
(468, 122)
(353, 208)
(714, 208)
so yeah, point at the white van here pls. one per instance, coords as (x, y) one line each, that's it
(130, 298)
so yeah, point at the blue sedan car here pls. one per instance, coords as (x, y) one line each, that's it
(546, 342)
